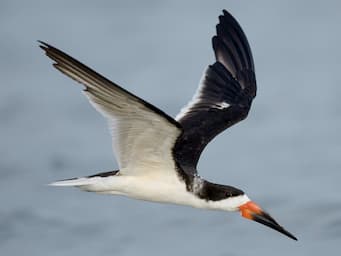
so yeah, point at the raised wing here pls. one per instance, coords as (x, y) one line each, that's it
(143, 135)
(224, 95)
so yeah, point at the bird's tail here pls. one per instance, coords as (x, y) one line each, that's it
(74, 182)
(88, 183)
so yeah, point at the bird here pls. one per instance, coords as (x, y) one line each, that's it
(157, 155)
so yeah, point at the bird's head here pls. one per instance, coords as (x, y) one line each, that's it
(233, 199)
(250, 210)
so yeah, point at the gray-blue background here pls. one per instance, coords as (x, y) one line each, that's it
(286, 155)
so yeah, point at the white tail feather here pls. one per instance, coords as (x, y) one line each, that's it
(93, 184)
(74, 182)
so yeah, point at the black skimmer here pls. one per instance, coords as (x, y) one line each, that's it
(158, 155)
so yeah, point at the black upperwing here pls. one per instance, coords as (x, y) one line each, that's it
(224, 95)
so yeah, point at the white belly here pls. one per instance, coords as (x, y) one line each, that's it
(156, 189)
(160, 189)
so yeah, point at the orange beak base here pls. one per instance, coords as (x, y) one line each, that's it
(252, 211)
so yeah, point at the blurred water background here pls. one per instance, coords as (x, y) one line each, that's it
(286, 155)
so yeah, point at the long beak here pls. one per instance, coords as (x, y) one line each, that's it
(252, 211)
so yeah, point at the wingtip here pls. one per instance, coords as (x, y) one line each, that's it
(227, 17)
(42, 45)
(226, 13)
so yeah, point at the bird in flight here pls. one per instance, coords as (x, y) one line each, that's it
(158, 155)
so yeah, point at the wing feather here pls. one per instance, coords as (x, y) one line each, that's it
(142, 135)
(224, 95)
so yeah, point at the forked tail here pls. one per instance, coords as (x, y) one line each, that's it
(84, 183)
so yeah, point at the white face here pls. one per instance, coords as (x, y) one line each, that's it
(229, 204)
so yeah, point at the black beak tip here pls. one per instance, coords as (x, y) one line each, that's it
(268, 221)
(288, 234)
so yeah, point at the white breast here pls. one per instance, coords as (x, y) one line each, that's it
(162, 189)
